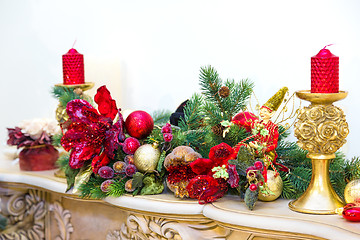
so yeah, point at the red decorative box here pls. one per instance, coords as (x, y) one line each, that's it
(38, 158)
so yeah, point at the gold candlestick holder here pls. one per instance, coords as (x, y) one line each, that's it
(61, 115)
(321, 129)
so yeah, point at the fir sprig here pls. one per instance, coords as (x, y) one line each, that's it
(63, 163)
(161, 117)
(210, 84)
(65, 95)
(117, 188)
(352, 169)
(193, 118)
(240, 94)
(91, 188)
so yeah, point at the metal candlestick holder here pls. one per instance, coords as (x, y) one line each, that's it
(321, 129)
(61, 115)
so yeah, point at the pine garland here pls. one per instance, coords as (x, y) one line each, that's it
(217, 104)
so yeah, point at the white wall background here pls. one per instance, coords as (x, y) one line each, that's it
(149, 53)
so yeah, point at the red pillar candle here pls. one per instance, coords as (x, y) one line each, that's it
(73, 67)
(325, 72)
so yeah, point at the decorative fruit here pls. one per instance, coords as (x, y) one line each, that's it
(139, 124)
(146, 158)
(177, 163)
(275, 185)
(130, 145)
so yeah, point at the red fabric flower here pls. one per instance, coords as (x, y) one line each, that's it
(206, 189)
(221, 153)
(106, 105)
(234, 178)
(99, 161)
(202, 166)
(90, 135)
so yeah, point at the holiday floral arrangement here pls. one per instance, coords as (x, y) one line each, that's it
(214, 146)
(35, 137)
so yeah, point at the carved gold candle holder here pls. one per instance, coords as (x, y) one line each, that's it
(321, 129)
(61, 115)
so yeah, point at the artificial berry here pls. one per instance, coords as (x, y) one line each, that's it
(168, 137)
(253, 187)
(258, 165)
(166, 128)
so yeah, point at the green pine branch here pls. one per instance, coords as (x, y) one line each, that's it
(161, 117)
(193, 118)
(65, 95)
(210, 84)
(117, 188)
(239, 95)
(91, 189)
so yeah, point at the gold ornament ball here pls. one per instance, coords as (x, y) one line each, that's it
(146, 158)
(352, 191)
(275, 185)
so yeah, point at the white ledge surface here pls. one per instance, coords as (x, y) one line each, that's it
(229, 210)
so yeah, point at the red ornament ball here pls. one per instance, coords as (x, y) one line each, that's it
(351, 212)
(139, 124)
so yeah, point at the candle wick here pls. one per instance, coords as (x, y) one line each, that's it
(74, 43)
(328, 45)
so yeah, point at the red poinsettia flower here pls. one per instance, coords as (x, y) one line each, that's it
(90, 135)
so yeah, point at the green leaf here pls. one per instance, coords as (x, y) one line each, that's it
(251, 198)
(137, 180)
(160, 165)
(82, 177)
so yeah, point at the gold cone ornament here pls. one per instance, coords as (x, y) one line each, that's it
(275, 101)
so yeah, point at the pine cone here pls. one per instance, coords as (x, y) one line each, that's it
(224, 92)
(218, 129)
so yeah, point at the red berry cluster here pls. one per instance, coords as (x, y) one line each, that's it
(166, 130)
